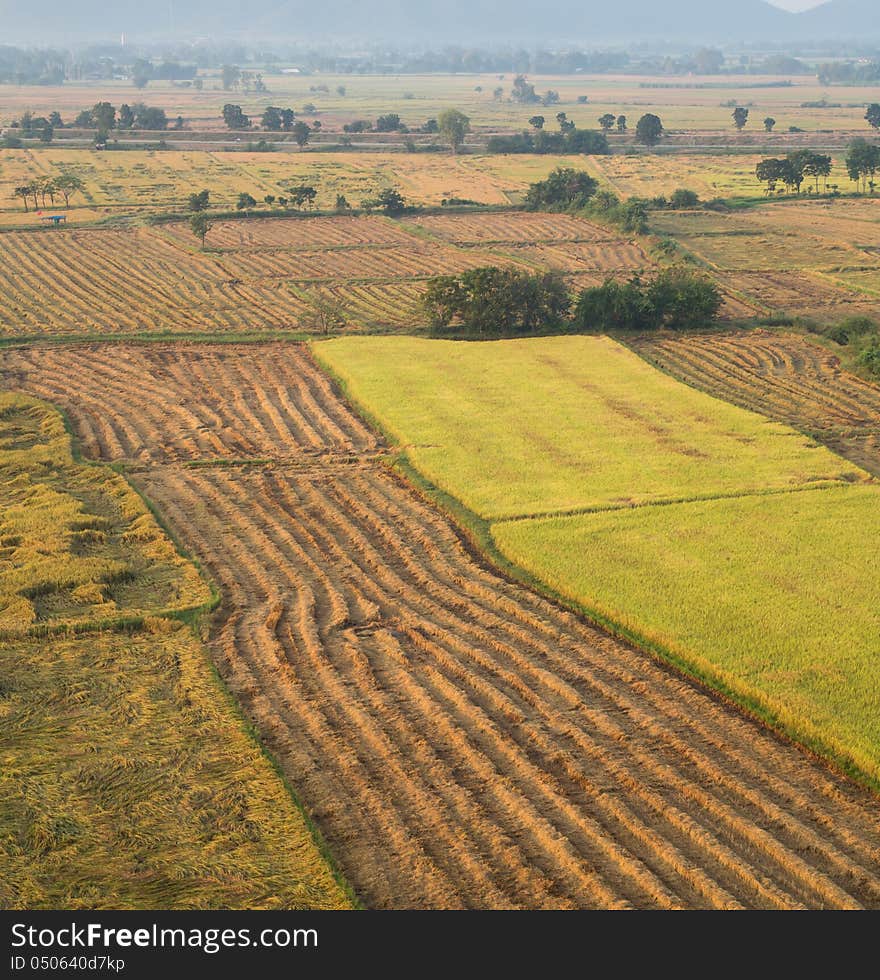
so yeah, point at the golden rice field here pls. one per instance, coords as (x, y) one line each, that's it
(77, 544)
(142, 182)
(127, 777)
(263, 275)
(760, 571)
(815, 259)
(515, 428)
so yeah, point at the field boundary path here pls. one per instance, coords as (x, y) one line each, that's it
(459, 740)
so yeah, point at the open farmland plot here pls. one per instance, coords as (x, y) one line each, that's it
(261, 275)
(816, 259)
(784, 377)
(127, 779)
(460, 741)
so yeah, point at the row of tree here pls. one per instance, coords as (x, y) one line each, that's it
(862, 163)
(497, 302)
(37, 191)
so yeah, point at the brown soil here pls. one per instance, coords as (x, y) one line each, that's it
(460, 741)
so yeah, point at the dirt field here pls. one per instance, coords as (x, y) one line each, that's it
(460, 741)
(784, 377)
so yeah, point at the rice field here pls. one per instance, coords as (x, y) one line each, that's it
(460, 741)
(524, 427)
(264, 275)
(759, 573)
(774, 599)
(127, 779)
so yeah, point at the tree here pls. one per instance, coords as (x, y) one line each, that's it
(340, 91)
(147, 117)
(873, 115)
(537, 122)
(301, 133)
(497, 301)
(55, 120)
(769, 123)
(246, 201)
(103, 116)
(199, 201)
(342, 204)
(24, 192)
(564, 189)
(126, 117)
(271, 119)
(303, 194)
(287, 117)
(818, 165)
(231, 75)
(862, 162)
(67, 185)
(389, 123)
(326, 313)
(607, 121)
(522, 91)
(200, 225)
(453, 126)
(389, 200)
(649, 129)
(683, 199)
(621, 124)
(234, 117)
(740, 117)
(769, 172)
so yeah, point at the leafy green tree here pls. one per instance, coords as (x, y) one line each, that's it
(199, 201)
(287, 117)
(862, 162)
(389, 123)
(303, 194)
(148, 117)
(126, 117)
(872, 115)
(649, 129)
(271, 119)
(389, 200)
(621, 124)
(246, 201)
(769, 123)
(301, 133)
(68, 184)
(342, 204)
(453, 126)
(497, 301)
(740, 117)
(565, 189)
(607, 121)
(234, 117)
(103, 116)
(537, 122)
(682, 199)
(200, 225)
(523, 91)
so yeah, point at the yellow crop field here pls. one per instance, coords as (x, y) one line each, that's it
(126, 777)
(77, 544)
(522, 427)
(774, 598)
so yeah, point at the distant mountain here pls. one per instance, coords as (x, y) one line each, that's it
(841, 18)
(577, 22)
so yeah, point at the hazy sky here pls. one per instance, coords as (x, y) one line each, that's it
(796, 4)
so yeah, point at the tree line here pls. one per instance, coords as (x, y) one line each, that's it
(862, 162)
